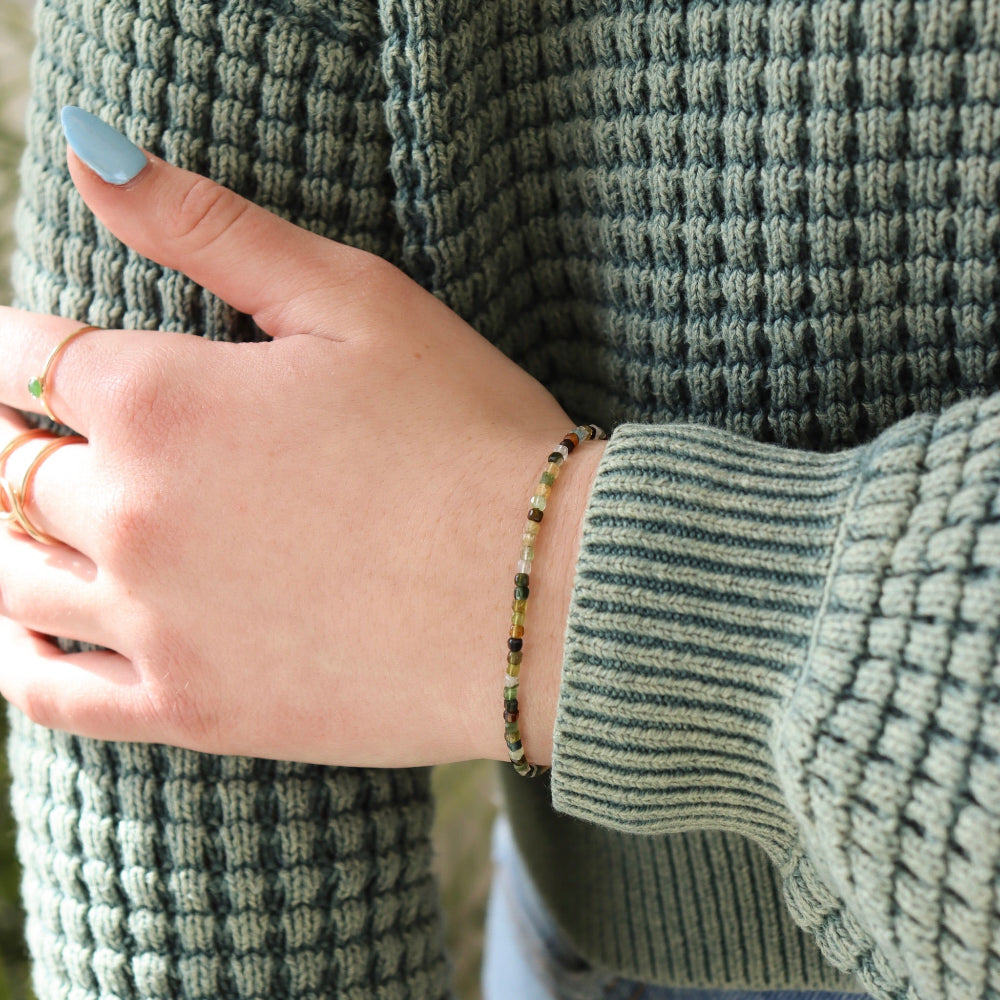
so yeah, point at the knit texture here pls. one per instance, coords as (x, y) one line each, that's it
(780, 220)
(802, 650)
(752, 237)
(680, 650)
(889, 749)
(158, 873)
(153, 872)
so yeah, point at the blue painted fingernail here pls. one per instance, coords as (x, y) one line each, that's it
(107, 152)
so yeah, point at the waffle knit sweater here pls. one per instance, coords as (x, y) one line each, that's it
(760, 241)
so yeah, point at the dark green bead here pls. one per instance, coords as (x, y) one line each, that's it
(520, 579)
(514, 658)
(520, 593)
(534, 514)
(556, 457)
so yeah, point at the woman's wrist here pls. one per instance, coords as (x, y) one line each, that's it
(551, 584)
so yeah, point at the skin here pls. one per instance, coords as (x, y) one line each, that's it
(301, 549)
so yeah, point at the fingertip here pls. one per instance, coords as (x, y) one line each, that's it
(102, 149)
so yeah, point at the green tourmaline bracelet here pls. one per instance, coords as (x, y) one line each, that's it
(515, 641)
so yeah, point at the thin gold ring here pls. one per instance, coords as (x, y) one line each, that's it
(19, 498)
(39, 385)
(10, 503)
(8, 511)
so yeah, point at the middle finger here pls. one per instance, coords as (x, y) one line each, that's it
(59, 499)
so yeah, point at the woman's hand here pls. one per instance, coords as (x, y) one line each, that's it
(297, 549)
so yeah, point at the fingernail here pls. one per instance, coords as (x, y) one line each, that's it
(107, 152)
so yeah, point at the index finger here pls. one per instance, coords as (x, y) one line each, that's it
(35, 355)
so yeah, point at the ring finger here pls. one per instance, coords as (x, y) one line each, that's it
(57, 501)
(49, 588)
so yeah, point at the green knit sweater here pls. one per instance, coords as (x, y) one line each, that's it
(760, 241)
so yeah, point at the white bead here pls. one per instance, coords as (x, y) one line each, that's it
(563, 450)
(524, 566)
(510, 681)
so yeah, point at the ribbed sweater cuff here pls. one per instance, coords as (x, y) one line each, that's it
(701, 571)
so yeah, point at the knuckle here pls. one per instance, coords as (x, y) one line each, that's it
(371, 280)
(172, 703)
(147, 400)
(132, 391)
(139, 392)
(132, 525)
(371, 272)
(205, 214)
(182, 716)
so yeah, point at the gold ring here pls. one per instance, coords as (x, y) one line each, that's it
(9, 502)
(8, 509)
(19, 498)
(39, 385)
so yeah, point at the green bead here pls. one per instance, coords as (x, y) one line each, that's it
(510, 694)
(548, 479)
(520, 579)
(515, 658)
(36, 388)
(521, 593)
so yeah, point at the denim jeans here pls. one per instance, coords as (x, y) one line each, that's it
(527, 958)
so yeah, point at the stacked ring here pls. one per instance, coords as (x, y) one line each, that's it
(12, 500)
(21, 496)
(7, 509)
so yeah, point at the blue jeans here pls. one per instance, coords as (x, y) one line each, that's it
(525, 957)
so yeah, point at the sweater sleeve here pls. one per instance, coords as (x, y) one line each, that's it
(803, 648)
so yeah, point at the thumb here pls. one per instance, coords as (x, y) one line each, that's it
(282, 275)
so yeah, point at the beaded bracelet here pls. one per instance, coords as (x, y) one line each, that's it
(515, 641)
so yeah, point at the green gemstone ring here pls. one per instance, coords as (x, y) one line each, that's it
(38, 385)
